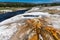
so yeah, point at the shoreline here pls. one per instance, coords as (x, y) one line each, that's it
(11, 9)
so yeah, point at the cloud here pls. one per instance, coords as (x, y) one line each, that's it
(56, 0)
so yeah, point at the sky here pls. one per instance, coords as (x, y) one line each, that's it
(31, 1)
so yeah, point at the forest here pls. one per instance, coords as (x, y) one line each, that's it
(21, 4)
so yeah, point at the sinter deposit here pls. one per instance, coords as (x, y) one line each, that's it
(31, 26)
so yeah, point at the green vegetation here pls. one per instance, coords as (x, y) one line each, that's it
(18, 4)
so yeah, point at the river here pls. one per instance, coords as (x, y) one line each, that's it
(5, 16)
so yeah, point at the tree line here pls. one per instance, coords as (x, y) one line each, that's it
(18, 4)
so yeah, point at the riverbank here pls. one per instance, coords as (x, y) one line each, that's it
(12, 9)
